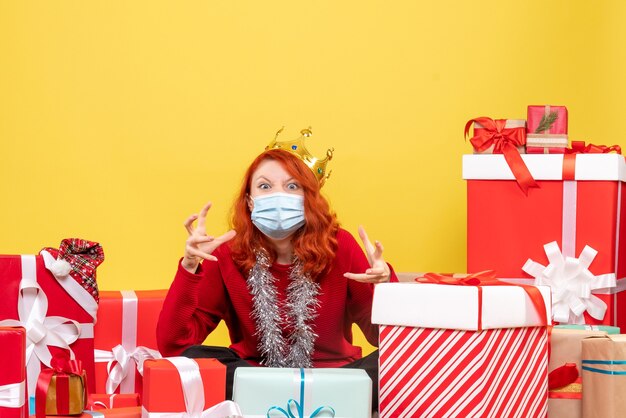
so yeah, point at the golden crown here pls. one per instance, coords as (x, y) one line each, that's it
(297, 148)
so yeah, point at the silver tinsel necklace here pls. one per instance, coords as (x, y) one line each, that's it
(299, 311)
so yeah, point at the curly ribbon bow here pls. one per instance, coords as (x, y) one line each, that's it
(487, 278)
(193, 393)
(41, 331)
(124, 358)
(571, 284)
(579, 147)
(13, 395)
(505, 141)
(299, 406)
(62, 367)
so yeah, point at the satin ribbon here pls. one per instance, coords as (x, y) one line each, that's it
(13, 395)
(620, 363)
(122, 364)
(487, 278)
(505, 141)
(579, 147)
(41, 331)
(571, 283)
(61, 367)
(72, 287)
(292, 404)
(124, 358)
(193, 393)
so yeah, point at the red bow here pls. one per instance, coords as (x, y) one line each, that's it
(505, 141)
(62, 367)
(579, 147)
(487, 278)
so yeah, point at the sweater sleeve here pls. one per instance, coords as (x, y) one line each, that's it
(361, 295)
(193, 307)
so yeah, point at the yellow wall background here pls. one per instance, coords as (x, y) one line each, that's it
(118, 119)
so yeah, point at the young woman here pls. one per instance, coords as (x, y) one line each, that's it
(289, 283)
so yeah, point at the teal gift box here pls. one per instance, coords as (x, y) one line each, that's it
(303, 393)
(606, 328)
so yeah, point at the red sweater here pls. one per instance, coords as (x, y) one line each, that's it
(196, 303)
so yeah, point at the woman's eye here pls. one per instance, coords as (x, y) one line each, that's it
(264, 186)
(292, 186)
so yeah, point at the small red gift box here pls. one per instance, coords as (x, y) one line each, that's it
(545, 121)
(462, 350)
(490, 139)
(503, 136)
(204, 385)
(125, 334)
(99, 401)
(13, 373)
(569, 233)
(546, 149)
(57, 310)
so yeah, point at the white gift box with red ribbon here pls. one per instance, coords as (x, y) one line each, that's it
(577, 209)
(461, 350)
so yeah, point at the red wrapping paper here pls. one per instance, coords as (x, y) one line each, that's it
(545, 150)
(161, 376)
(506, 228)
(536, 113)
(60, 303)
(108, 330)
(99, 401)
(12, 371)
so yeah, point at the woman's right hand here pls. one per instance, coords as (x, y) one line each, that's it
(199, 245)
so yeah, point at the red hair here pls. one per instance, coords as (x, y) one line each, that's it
(315, 244)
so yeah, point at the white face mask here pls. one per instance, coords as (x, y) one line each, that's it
(278, 215)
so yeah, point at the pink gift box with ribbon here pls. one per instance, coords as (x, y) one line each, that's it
(125, 336)
(568, 233)
(57, 312)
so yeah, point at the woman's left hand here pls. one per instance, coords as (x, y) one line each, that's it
(379, 270)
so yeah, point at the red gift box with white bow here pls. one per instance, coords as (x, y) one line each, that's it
(57, 311)
(568, 233)
(125, 336)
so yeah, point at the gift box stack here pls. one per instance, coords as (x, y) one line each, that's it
(55, 362)
(555, 219)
